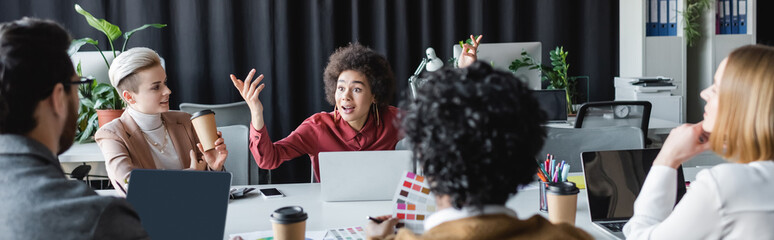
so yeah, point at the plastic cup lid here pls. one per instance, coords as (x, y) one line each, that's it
(290, 214)
(563, 188)
(201, 113)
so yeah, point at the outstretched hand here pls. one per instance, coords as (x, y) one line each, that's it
(383, 229)
(468, 55)
(250, 90)
(215, 158)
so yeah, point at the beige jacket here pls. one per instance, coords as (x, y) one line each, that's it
(495, 227)
(125, 148)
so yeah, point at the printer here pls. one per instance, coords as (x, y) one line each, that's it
(661, 92)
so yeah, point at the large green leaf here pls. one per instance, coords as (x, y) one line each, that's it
(100, 103)
(76, 45)
(111, 31)
(87, 102)
(102, 90)
(91, 128)
(128, 34)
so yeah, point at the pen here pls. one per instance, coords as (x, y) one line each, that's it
(375, 220)
(542, 177)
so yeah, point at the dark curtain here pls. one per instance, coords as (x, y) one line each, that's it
(290, 41)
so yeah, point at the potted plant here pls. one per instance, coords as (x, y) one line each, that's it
(100, 102)
(555, 75)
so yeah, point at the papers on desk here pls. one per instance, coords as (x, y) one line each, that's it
(350, 233)
(413, 202)
(269, 235)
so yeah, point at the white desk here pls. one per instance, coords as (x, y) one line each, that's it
(252, 213)
(82, 153)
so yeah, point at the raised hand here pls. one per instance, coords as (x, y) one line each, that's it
(250, 90)
(215, 158)
(468, 54)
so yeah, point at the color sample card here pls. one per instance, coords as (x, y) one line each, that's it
(269, 235)
(413, 202)
(349, 233)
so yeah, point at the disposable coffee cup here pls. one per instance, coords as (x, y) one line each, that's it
(204, 124)
(562, 202)
(289, 223)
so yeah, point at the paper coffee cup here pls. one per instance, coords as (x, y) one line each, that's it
(562, 202)
(289, 223)
(204, 124)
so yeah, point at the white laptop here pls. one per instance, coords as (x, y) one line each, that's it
(362, 175)
(613, 181)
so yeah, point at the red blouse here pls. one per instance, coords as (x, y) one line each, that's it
(323, 133)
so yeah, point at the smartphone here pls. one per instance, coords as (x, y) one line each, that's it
(271, 193)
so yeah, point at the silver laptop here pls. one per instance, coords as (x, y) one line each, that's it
(180, 204)
(362, 175)
(553, 103)
(613, 181)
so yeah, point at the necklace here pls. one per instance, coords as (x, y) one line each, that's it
(156, 145)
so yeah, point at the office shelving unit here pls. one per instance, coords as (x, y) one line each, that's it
(642, 55)
(710, 50)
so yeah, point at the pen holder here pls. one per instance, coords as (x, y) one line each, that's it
(543, 199)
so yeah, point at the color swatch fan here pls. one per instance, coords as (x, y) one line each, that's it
(413, 202)
(350, 233)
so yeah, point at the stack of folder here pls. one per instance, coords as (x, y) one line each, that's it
(662, 18)
(731, 17)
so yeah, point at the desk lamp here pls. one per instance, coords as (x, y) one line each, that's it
(431, 63)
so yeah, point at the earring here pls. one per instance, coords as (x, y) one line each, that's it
(376, 112)
(335, 111)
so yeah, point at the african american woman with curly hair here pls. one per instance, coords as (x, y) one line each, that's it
(359, 83)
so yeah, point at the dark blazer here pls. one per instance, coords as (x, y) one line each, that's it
(39, 202)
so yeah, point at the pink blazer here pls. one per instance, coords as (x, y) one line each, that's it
(125, 148)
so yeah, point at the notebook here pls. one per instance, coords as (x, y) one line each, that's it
(361, 175)
(180, 204)
(554, 103)
(613, 181)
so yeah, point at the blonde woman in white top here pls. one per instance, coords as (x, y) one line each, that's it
(733, 200)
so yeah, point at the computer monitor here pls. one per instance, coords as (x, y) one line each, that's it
(500, 55)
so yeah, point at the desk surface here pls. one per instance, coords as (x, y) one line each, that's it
(655, 124)
(82, 153)
(252, 213)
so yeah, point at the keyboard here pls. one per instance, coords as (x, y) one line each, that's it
(614, 226)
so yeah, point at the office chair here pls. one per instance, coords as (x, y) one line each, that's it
(225, 114)
(615, 113)
(568, 143)
(238, 162)
(81, 172)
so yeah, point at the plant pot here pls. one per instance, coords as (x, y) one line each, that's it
(104, 116)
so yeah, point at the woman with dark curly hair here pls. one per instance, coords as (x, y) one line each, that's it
(359, 83)
(475, 131)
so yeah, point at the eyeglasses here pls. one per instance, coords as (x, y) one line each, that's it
(81, 80)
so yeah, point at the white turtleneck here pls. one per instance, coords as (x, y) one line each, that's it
(154, 131)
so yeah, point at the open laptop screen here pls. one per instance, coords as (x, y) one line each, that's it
(614, 179)
(553, 102)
